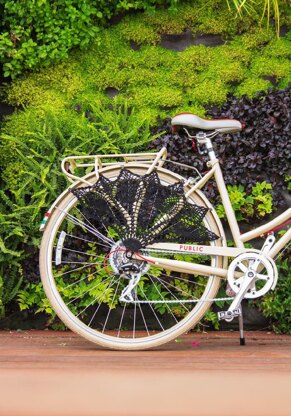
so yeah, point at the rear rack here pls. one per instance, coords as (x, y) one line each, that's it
(96, 162)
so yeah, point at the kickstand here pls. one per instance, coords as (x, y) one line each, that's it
(242, 340)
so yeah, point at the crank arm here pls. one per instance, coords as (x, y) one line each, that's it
(235, 305)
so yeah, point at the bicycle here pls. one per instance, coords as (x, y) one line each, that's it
(133, 255)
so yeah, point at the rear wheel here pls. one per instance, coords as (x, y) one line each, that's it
(95, 284)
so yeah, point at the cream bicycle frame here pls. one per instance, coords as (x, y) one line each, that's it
(153, 160)
(239, 239)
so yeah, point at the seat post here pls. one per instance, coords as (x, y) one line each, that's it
(203, 138)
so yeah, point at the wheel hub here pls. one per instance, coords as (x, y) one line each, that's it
(121, 260)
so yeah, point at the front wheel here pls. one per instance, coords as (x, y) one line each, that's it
(95, 284)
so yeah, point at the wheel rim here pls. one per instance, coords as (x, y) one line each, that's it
(89, 303)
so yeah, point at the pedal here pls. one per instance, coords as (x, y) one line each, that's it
(229, 315)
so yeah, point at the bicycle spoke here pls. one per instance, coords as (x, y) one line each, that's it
(91, 230)
(174, 296)
(86, 240)
(94, 314)
(94, 300)
(80, 280)
(80, 252)
(74, 270)
(76, 262)
(82, 230)
(78, 238)
(170, 284)
(169, 309)
(161, 326)
(134, 318)
(175, 287)
(262, 276)
(105, 323)
(86, 219)
(143, 318)
(92, 224)
(183, 280)
(97, 309)
(84, 293)
(121, 320)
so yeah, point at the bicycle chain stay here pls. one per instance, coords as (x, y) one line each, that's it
(266, 247)
(174, 301)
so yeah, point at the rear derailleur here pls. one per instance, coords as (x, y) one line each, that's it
(132, 272)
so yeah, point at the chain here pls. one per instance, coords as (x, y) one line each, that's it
(177, 301)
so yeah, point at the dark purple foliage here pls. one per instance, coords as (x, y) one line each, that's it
(260, 152)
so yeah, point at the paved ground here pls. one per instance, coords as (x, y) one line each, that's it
(45, 373)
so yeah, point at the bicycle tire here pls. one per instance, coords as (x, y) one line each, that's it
(140, 339)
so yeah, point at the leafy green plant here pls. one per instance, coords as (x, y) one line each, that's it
(269, 7)
(132, 29)
(38, 153)
(257, 203)
(33, 296)
(31, 177)
(145, 77)
(36, 33)
(210, 318)
(155, 80)
(250, 86)
(276, 305)
(262, 199)
(288, 182)
(12, 237)
(66, 108)
(10, 282)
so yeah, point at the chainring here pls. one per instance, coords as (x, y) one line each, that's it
(246, 264)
